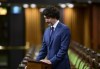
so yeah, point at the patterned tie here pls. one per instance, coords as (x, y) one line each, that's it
(51, 32)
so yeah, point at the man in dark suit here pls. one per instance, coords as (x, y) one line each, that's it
(56, 41)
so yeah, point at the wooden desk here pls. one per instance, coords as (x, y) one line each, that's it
(37, 65)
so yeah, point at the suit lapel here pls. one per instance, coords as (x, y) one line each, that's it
(48, 35)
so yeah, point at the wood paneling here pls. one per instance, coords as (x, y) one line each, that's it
(84, 23)
(96, 27)
(74, 18)
(33, 28)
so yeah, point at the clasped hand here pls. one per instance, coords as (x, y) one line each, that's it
(45, 61)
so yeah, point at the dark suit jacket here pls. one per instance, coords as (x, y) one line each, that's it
(56, 49)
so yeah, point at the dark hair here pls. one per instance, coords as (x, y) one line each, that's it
(52, 12)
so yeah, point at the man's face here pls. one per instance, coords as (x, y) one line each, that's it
(49, 20)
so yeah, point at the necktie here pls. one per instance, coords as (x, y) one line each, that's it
(51, 32)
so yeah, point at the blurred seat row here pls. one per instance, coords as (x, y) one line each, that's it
(82, 57)
(29, 56)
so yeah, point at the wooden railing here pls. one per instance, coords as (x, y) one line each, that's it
(29, 55)
(82, 57)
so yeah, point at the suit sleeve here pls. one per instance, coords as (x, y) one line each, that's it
(65, 41)
(42, 52)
